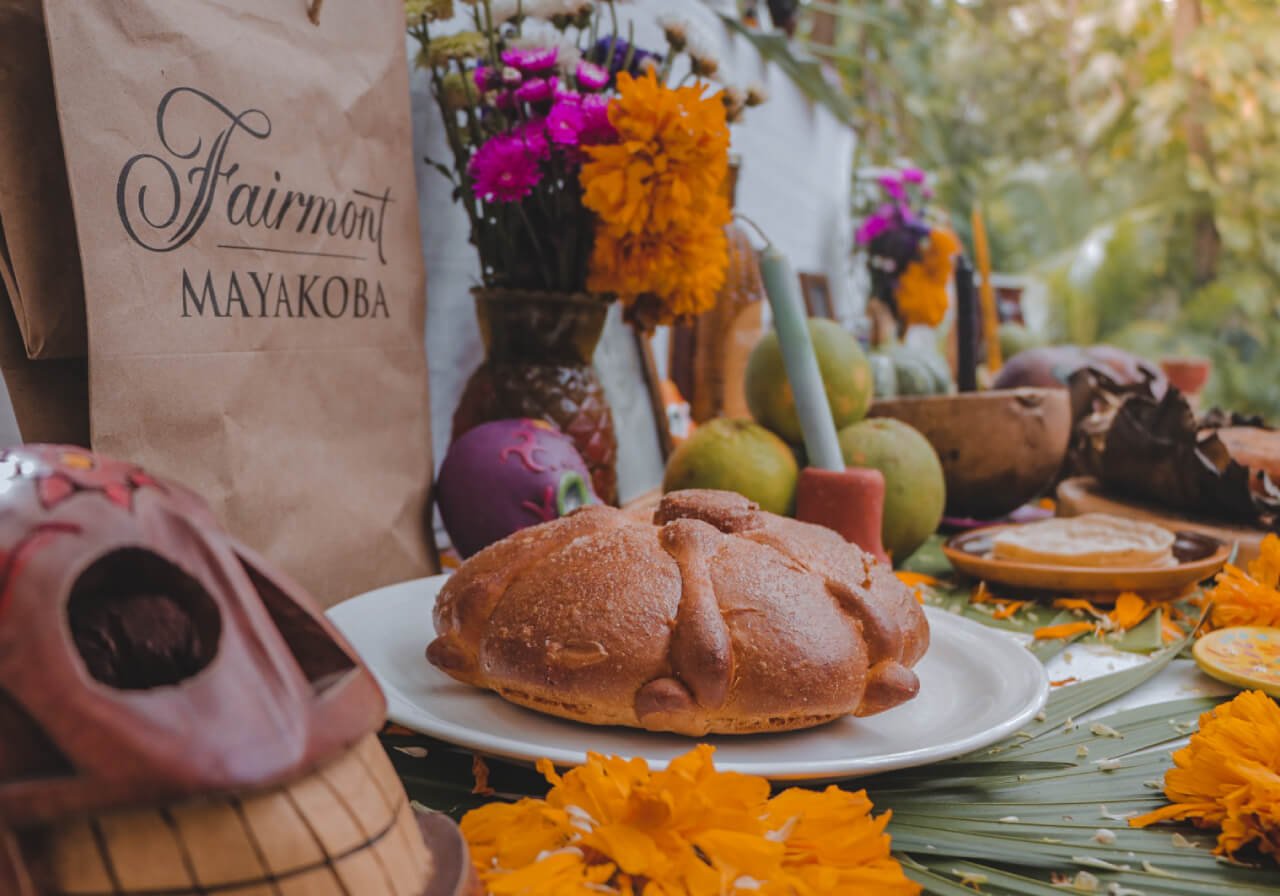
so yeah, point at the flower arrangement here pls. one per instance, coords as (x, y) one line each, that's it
(911, 262)
(579, 166)
(612, 826)
(1228, 776)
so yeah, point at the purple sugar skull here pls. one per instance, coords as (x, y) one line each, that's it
(503, 476)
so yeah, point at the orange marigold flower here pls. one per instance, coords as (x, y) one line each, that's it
(659, 201)
(663, 275)
(612, 826)
(921, 292)
(1228, 776)
(1251, 598)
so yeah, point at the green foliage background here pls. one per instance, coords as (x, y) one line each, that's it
(1127, 152)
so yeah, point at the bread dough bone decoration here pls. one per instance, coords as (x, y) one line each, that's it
(175, 717)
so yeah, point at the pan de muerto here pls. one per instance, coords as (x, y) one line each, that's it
(717, 617)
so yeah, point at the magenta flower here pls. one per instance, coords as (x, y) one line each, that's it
(892, 185)
(596, 127)
(538, 90)
(532, 61)
(533, 135)
(503, 170)
(591, 76)
(486, 78)
(913, 175)
(566, 122)
(872, 228)
(885, 218)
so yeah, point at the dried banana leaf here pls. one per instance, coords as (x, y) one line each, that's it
(1155, 449)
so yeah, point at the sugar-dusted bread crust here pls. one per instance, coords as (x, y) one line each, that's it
(716, 618)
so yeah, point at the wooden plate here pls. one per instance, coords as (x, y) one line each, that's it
(1198, 557)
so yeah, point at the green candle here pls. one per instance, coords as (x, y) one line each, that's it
(792, 324)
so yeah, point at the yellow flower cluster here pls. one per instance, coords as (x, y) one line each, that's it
(658, 198)
(1251, 598)
(1228, 776)
(612, 826)
(921, 292)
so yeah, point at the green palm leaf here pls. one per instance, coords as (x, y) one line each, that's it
(1030, 814)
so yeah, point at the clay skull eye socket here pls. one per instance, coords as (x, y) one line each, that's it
(322, 662)
(139, 622)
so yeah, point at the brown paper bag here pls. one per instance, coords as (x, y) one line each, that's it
(245, 203)
(39, 264)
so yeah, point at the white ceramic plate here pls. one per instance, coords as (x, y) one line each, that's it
(977, 686)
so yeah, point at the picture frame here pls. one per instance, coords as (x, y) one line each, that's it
(816, 289)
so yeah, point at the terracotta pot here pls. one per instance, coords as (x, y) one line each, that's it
(999, 449)
(538, 363)
(1188, 375)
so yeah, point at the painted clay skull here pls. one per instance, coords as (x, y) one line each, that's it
(175, 717)
(503, 476)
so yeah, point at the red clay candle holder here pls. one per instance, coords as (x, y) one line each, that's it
(849, 501)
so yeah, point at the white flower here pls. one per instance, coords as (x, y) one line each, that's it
(676, 31)
(702, 56)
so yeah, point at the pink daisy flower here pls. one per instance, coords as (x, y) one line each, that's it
(532, 61)
(533, 135)
(871, 228)
(538, 90)
(504, 170)
(591, 76)
(565, 122)
(892, 185)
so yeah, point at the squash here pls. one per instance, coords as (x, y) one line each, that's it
(915, 372)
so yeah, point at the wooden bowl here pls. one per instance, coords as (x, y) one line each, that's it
(999, 449)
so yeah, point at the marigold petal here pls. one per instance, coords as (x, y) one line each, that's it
(1064, 630)
(1130, 609)
(913, 579)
